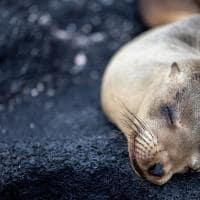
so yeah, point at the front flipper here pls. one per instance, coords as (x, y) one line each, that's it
(195, 162)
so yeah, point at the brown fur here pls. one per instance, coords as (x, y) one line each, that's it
(151, 91)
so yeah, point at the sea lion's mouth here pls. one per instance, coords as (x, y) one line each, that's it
(161, 180)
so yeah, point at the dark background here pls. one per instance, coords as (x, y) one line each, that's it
(55, 142)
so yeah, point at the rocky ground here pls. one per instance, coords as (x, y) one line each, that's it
(54, 140)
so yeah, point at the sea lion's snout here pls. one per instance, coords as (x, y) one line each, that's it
(156, 157)
(149, 158)
(156, 169)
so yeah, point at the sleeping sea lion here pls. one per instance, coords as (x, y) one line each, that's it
(151, 92)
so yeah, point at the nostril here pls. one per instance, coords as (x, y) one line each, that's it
(156, 170)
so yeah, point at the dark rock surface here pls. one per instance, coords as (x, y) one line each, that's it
(54, 140)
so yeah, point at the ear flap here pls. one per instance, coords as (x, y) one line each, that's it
(174, 69)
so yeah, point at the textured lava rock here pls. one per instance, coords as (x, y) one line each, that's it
(54, 140)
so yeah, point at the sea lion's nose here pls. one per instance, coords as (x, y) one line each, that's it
(156, 170)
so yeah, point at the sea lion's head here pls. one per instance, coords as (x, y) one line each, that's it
(166, 129)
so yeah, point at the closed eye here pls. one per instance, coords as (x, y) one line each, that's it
(168, 112)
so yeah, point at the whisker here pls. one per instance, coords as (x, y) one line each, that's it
(140, 125)
(132, 143)
(135, 124)
(148, 136)
(128, 113)
(127, 118)
(141, 144)
(131, 128)
(132, 122)
(127, 123)
(143, 139)
(146, 127)
(140, 122)
(135, 117)
(139, 150)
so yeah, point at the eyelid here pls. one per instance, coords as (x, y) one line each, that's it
(168, 112)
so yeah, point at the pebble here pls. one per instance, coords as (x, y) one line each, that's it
(98, 37)
(40, 87)
(45, 20)
(62, 34)
(86, 28)
(80, 59)
(50, 92)
(34, 92)
(32, 17)
(32, 125)
(71, 28)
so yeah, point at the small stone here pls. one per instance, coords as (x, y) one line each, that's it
(50, 92)
(71, 28)
(32, 17)
(61, 35)
(98, 37)
(40, 87)
(82, 41)
(24, 69)
(26, 91)
(34, 52)
(86, 28)
(34, 92)
(45, 20)
(77, 69)
(32, 125)
(80, 59)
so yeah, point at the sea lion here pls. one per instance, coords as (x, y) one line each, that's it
(159, 12)
(151, 92)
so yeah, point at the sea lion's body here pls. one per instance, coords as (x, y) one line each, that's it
(159, 12)
(141, 68)
(145, 59)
